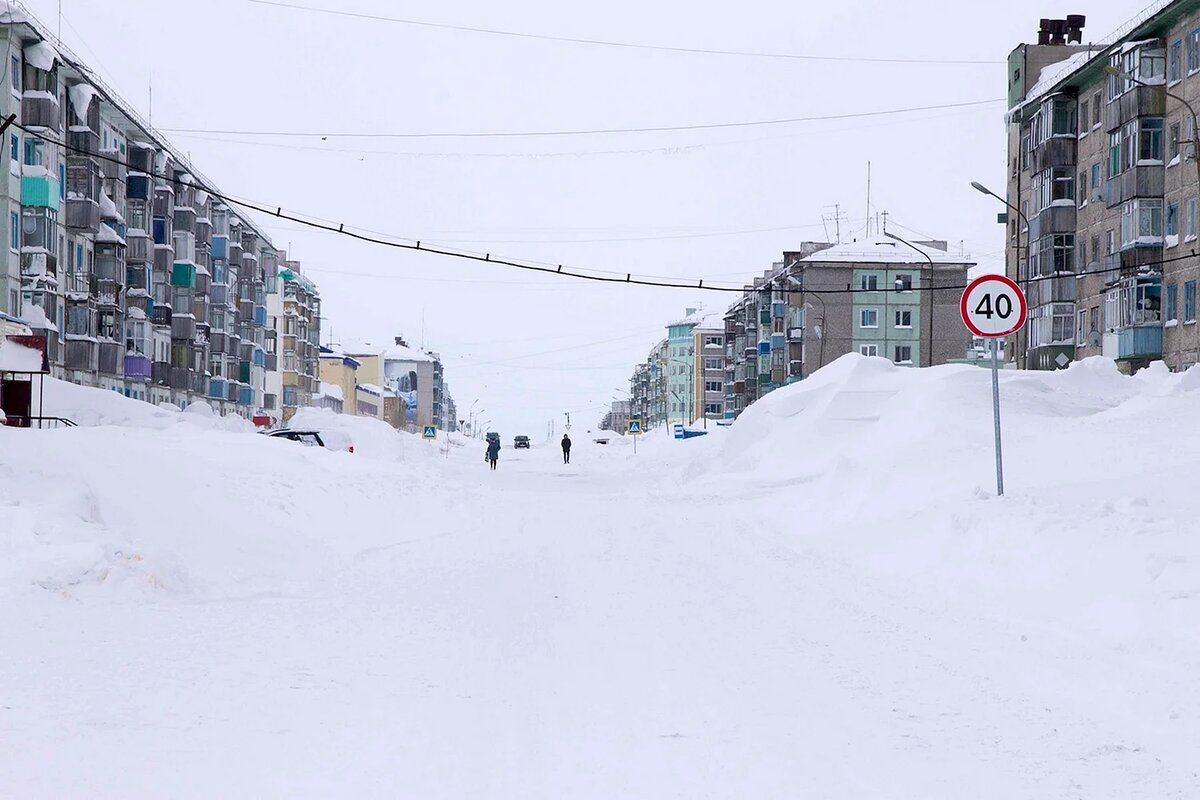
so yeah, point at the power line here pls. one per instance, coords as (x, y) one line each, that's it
(588, 132)
(623, 45)
(628, 279)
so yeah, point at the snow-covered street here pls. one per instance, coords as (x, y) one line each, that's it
(823, 601)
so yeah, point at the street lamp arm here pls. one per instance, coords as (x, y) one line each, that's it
(981, 188)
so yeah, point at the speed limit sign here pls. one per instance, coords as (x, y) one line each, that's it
(993, 306)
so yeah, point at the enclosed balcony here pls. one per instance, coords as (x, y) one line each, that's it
(137, 367)
(183, 327)
(41, 110)
(82, 354)
(112, 358)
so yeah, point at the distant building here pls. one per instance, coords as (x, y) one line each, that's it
(339, 369)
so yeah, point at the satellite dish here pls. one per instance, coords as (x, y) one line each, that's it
(1094, 339)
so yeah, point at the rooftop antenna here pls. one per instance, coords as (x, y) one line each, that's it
(868, 198)
(837, 218)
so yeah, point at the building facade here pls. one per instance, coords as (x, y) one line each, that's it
(142, 281)
(1103, 170)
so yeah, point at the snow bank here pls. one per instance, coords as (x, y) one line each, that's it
(87, 406)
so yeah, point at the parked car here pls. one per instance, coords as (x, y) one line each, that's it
(329, 439)
(521, 442)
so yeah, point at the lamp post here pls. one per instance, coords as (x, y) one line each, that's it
(925, 285)
(1024, 336)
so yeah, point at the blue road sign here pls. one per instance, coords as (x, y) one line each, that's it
(635, 426)
(429, 432)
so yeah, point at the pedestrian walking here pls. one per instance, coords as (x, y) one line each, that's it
(493, 452)
(566, 446)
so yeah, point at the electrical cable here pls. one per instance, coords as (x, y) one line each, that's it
(625, 45)
(628, 279)
(588, 132)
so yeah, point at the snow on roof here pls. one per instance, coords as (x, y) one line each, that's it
(107, 235)
(399, 352)
(15, 357)
(35, 317)
(108, 209)
(371, 388)
(41, 55)
(1050, 76)
(11, 16)
(708, 320)
(81, 95)
(332, 390)
(882, 250)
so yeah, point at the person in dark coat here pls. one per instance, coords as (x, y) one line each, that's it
(493, 452)
(566, 446)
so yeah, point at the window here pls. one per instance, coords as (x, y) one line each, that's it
(39, 226)
(903, 319)
(903, 354)
(1082, 323)
(1096, 176)
(1189, 218)
(1111, 242)
(1173, 219)
(33, 151)
(1193, 51)
(904, 282)
(1189, 301)
(1053, 187)
(16, 148)
(1175, 61)
(1150, 140)
(713, 408)
(1095, 249)
(713, 363)
(1083, 187)
(869, 318)
(1052, 254)
(869, 282)
(1152, 64)
(1094, 321)
(707, 339)
(14, 302)
(1173, 142)
(1171, 311)
(14, 68)
(1141, 222)
(1096, 110)
(1083, 259)
(870, 350)
(1114, 154)
(1084, 118)
(714, 386)
(14, 231)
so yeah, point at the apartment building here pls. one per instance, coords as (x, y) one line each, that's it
(685, 368)
(1102, 166)
(877, 296)
(648, 387)
(416, 377)
(340, 370)
(141, 280)
(708, 365)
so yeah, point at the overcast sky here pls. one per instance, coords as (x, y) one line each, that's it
(719, 204)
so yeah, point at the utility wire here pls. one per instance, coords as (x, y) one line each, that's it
(587, 132)
(628, 279)
(624, 45)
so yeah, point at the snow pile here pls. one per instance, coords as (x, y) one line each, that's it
(87, 406)
(16, 357)
(826, 599)
(41, 55)
(82, 95)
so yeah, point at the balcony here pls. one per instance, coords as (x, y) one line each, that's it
(198, 383)
(137, 367)
(160, 373)
(183, 327)
(161, 315)
(41, 110)
(112, 358)
(83, 214)
(82, 354)
(183, 273)
(216, 388)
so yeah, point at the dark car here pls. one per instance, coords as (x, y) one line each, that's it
(521, 442)
(330, 440)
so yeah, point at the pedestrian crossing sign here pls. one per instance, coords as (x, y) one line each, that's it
(429, 432)
(635, 426)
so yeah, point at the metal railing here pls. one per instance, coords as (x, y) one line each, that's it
(42, 422)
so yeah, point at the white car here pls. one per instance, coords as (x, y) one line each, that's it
(329, 439)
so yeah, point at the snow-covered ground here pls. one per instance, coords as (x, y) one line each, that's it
(825, 600)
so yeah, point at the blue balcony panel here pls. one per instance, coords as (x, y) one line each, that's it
(1140, 342)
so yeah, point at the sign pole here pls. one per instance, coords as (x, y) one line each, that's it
(996, 415)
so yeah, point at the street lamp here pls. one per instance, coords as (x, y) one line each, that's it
(1024, 336)
(924, 285)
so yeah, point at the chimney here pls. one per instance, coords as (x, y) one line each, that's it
(1044, 32)
(690, 311)
(1075, 23)
(400, 341)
